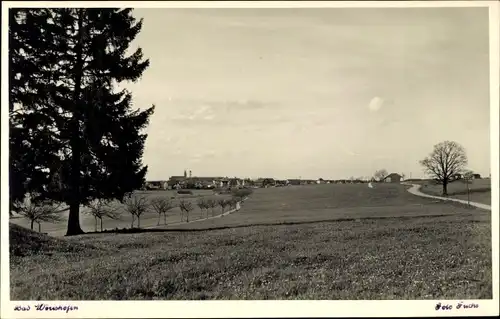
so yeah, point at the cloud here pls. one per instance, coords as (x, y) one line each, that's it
(191, 114)
(376, 104)
(386, 122)
(177, 151)
(198, 157)
(348, 151)
(246, 104)
(204, 111)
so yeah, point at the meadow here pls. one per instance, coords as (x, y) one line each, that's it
(480, 190)
(313, 242)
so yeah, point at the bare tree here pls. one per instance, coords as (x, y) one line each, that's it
(39, 212)
(380, 174)
(212, 203)
(202, 205)
(446, 160)
(232, 202)
(99, 209)
(242, 193)
(136, 206)
(186, 207)
(223, 204)
(162, 206)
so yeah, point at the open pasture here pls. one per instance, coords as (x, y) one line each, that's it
(480, 190)
(148, 219)
(298, 204)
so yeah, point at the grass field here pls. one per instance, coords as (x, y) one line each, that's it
(328, 202)
(480, 190)
(318, 242)
(148, 219)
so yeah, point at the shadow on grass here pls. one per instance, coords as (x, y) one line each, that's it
(186, 230)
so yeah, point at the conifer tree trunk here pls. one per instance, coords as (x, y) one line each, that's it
(74, 205)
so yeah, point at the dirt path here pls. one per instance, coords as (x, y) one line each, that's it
(415, 190)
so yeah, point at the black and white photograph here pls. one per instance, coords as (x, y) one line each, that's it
(257, 151)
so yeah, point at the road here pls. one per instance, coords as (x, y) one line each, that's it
(415, 190)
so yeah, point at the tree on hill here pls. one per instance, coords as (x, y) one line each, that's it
(67, 114)
(100, 209)
(136, 205)
(211, 203)
(202, 205)
(39, 211)
(242, 193)
(162, 206)
(186, 207)
(446, 160)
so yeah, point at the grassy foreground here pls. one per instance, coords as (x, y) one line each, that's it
(439, 257)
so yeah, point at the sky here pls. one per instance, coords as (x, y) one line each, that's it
(310, 93)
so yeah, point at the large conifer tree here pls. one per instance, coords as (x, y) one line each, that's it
(68, 119)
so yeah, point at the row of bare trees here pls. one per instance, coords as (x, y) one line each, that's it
(211, 203)
(135, 205)
(161, 205)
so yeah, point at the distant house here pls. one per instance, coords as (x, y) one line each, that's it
(150, 185)
(235, 182)
(476, 176)
(265, 182)
(176, 180)
(283, 182)
(259, 182)
(392, 178)
(224, 182)
(205, 182)
(294, 181)
(320, 181)
(247, 182)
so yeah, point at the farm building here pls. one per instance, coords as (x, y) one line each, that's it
(281, 182)
(294, 181)
(156, 185)
(175, 180)
(205, 182)
(265, 182)
(308, 182)
(393, 178)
